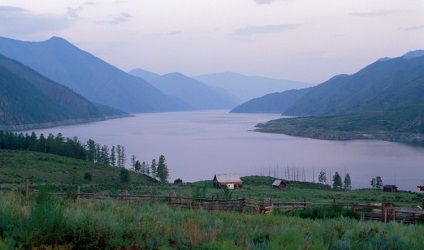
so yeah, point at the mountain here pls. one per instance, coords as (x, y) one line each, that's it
(89, 76)
(404, 124)
(271, 103)
(146, 75)
(248, 87)
(29, 100)
(195, 93)
(413, 54)
(379, 86)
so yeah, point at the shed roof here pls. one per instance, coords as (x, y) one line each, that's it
(277, 182)
(228, 178)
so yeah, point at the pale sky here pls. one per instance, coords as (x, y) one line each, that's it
(304, 40)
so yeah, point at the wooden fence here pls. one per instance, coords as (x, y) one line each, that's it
(378, 212)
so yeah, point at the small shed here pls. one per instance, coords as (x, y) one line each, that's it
(231, 181)
(421, 187)
(279, 184)
(390, 188)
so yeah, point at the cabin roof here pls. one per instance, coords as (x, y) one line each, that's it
(277, 182)
(224, 178)
(390, 186)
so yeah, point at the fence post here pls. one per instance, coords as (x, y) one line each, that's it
(334, 201)
(26, 187)
(171, 198)
(243, 204)
(304, 202)
(78, 191)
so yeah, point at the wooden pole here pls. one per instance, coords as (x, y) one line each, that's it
(26, 187)
(78, 191)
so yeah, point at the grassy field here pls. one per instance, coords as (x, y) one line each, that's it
(64, 174)
(46, 222)
(43, 221)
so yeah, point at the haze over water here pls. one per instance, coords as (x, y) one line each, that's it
(199, 144)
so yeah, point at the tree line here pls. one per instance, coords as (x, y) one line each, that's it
(90, 151)
(338, 183)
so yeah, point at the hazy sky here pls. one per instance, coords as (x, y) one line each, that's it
(305, 40)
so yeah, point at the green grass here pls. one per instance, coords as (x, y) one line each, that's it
(403, 124)
(44, 221)
(63, 173)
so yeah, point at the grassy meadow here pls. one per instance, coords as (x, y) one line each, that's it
(48, 222)
(43, 221)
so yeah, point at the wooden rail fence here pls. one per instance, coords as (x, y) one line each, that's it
(378, 212)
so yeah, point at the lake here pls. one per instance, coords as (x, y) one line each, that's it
(199, 144)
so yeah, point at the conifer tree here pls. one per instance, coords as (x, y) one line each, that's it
(162, 169)
(337, 181)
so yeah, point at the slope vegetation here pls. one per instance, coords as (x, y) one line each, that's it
(89, 76)
(30, 100)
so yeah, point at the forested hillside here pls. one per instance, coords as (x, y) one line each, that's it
(30, 100)
(89, 76)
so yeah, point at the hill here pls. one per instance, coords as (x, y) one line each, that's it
(386, 84)
(248, 87)
(271, 103)
(30, 100)
(59, 171)
(379, 86)
(89, 76)
(146, 75)
(195, 93)
(404, 124)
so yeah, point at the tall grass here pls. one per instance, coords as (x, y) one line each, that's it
(44, 221)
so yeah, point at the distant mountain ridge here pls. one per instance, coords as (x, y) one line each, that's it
(89, 76)
(145, 74)
(248, 87)
(29, 100)
(384, 84)
(195, 93)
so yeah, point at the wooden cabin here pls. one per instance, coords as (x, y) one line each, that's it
(390, 188)
(280, 184)
(231, 181)
(421, 187)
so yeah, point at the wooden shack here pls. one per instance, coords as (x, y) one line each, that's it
(231, 181)
(421, 187)
(280, 184)
(390, 188)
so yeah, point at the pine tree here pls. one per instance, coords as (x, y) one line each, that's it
(153, 168)
(118, 155)
(322, 178)
(373, 182)
(162, 169)
(137, 166)
(91, 150)
(347, 182)
(113, 156)
(104, 155)
(133, 160)
(337, 181)
(379, 183)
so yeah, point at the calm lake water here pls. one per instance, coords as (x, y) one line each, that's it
(199, 144)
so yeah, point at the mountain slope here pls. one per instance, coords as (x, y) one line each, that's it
(248, 87)
(195, 93)
(382, 85)
(271, 103)
(89, 76)
(146, 75)
(403, 124)
(29, 100)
